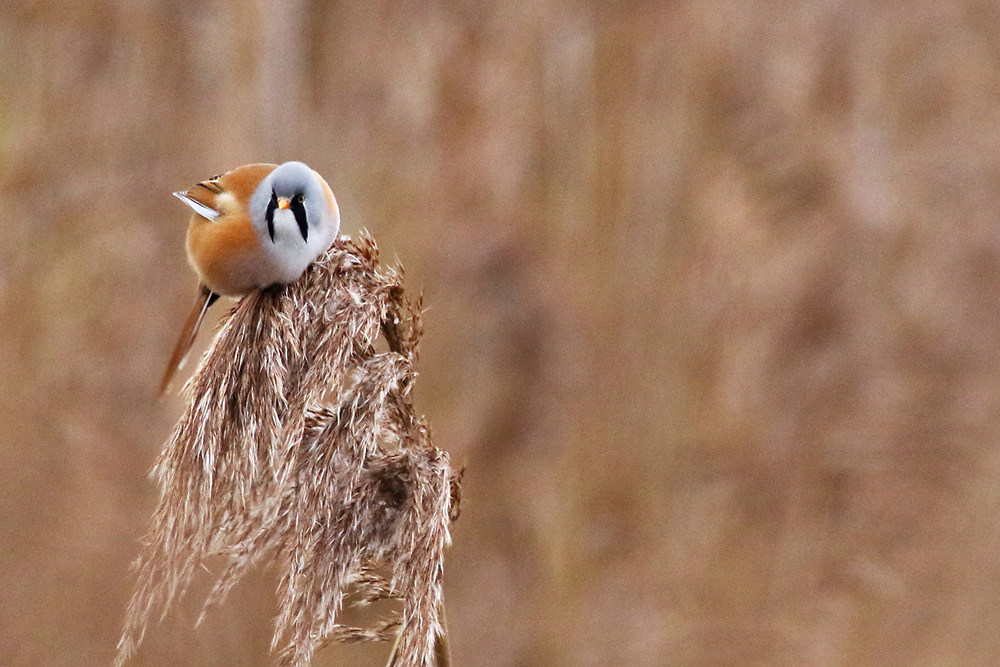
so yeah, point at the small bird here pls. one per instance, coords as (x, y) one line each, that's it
(252, 227)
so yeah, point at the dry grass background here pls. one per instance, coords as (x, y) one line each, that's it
(713, 302)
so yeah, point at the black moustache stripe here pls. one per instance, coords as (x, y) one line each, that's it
(299, 209)
(269, 215)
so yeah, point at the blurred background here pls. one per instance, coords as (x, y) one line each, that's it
(713, 298)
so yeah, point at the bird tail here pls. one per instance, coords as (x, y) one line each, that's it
(206, 298)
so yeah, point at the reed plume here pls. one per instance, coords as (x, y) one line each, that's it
(299, 446)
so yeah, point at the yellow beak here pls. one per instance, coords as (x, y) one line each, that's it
(283, 203)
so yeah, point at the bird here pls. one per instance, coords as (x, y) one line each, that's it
(252, 227)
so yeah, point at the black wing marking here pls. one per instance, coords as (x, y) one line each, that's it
(211, 186)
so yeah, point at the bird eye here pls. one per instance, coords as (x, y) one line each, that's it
(300, 198)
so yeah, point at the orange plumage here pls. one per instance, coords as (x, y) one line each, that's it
(225, 252)
(235, 249)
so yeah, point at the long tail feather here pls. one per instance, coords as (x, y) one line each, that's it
(206, 298)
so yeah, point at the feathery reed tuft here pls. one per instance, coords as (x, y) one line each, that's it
(299, 446)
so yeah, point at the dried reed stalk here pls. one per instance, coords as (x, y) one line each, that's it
(299, 446)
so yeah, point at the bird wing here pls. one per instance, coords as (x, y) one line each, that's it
(199, 207)
(206, 298)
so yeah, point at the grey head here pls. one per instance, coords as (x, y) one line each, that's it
(296, 219)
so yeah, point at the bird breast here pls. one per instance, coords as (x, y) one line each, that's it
(226, 254)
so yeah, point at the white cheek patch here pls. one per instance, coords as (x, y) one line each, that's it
(199, 208)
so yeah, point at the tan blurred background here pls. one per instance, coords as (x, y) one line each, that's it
(714, 305)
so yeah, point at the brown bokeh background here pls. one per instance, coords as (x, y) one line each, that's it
(713, 297)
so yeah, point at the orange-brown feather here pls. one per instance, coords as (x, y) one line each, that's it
(186, 339)
(330, 199)
(226, 252)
